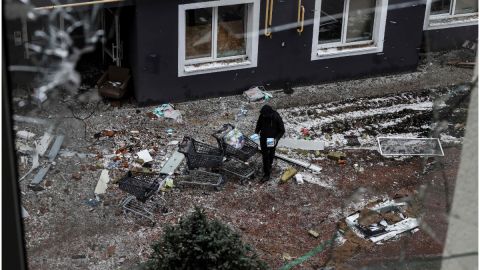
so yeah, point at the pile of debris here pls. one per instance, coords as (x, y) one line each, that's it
(382, 221)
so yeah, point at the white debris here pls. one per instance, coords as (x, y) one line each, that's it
(23, 134)
(102, 183)
(395, 229)
(299, 178)
(304, 164)
(145, 156)
(44, 143)
(256, 94)
(24, 213)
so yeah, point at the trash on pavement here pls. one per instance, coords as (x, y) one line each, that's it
(287, 257)
(172, 163)
(241, 113)
(145, 156)
(39, 177)
(108, 133)
(313, 233)
(257, 93)
(304, 164)
(382, 222)
(404, 146)
(23, 134)
(289, 173)
(160, 111)
(336, 155)
(169, 183)
(55, 148)
(175, 115)
(234, 138)
(102, 183)
(92, 202)
(25, 213)
(168, 111)
(44, 143)
(308, 145)
(299, 178)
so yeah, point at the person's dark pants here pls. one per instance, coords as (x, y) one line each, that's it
(268, 154)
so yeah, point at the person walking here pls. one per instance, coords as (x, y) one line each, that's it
(270, 128)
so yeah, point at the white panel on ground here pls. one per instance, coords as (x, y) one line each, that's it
(173, 162)
(403, 146)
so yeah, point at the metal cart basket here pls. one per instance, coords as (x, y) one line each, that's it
(200, 158)
(249, 149)
(200, 155)
(141, 188)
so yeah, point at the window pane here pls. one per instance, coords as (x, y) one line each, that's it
(361, 14)
(198, 33)
(331, 17)
(231, 30)
(440, 7)
(466, 6)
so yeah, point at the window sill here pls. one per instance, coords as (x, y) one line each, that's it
(447, 22)
(217, 66)
(343, 52)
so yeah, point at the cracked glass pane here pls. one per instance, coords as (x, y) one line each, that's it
(331, 20)
(198, 33)
(466, 6)
(231, 34)
(361, 14)
(440, 7)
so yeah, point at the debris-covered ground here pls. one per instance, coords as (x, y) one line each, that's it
(70, 227)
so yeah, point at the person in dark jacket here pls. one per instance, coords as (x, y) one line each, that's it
(270, 128)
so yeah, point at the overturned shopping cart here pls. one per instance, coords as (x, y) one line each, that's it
(141, 188)
(203, 164)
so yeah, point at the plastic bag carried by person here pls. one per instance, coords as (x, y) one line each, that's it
(234, 138)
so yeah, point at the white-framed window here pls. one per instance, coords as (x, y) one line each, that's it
(450, 13)
(348, 27)
(217, 36)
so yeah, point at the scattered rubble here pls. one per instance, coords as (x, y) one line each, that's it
(102, 183)
(23, 134)
(257, 93)
(289, 173)
(382, 222)
(400, 146)
(266, 214)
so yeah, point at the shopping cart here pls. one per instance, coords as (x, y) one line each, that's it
(203, 163)
(248, 150)
(141, 188)
(236, 165)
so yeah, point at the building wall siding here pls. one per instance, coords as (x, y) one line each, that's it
(157, 34)
(448, 38)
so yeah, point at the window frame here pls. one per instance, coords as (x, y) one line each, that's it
(212, 63)
(342, 49)
(432, 22)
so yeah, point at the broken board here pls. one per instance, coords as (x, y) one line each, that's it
(402, 146)
(40, 175)
(173, 162)
(102, 183)
(55, 147)
(302, 163)
(44, 143)
(309, 145)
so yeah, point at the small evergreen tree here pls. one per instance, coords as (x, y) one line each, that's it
(197, 243)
